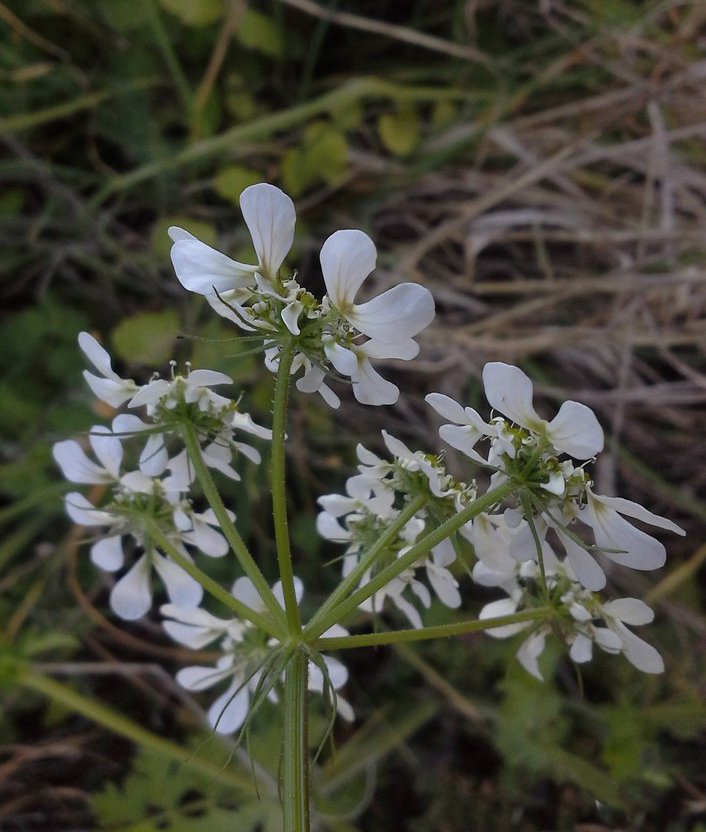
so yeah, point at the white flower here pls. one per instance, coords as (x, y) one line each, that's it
(468, 427)
(242, 663)
(347, 258)
(574, 430)
(630, 546)
(77, 467)
(390, 320)
(111, 388)
(270, 217)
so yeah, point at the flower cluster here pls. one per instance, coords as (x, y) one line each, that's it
(547, 508)
(334, 333)
(375, 498)
(246, 652)
(152, 500)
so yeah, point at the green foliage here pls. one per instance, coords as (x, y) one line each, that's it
(146, 338)
(321, 157)
(400, 131)
(232, 180)
(194, 12)
(259, 32)
(159, 794)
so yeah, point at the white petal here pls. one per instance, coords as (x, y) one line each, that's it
(76, 466)
(582, 649)
(107, 448)
(290, 316)
(344, 360)
(329, 528)
(229, 711)
(270, 217)
(243, 590)
(530, 651)
(194, 637)
(607, 640)
(509, 391)
(629, 610)
(131, 597)
(498, 609)
(207, 378)
(635, 510)
(244, 421)
(347, 258)
(279, 593)
(182, 589)
(396, 315)
(445, 586)
(639, 653)
(403, 350)
(107, 553)
(201, 269)
(128, 423)
(586, 569)
(154, 457)
(369, 387)
(207, 539)
(83, 512)
(110, 391)
(151, 393)
(200, 678)
(447, 407)
(97, 355)
(635, 549)
(576, 431)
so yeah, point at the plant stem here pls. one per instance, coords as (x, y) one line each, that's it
(211, 586)
(441, 631)
(279, 489)
(421, 548)
(296, 745)
(119, 724)
(251, 569)
(369, 559)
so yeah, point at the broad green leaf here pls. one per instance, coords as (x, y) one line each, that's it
(257, 31)
(195, 12)
(147, 338)
(399, 131)
(231, 181)
(322, 157)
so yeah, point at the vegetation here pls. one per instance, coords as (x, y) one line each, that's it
(539, 167)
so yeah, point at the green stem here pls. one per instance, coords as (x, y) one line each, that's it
(169, 55)
(295, 768)
(440, 631)
(251, 569)
(369, 559)
(279, 489)
(119, 724)
(211, 586)
(423, 547)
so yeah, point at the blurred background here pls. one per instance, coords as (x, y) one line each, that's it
(540, 167)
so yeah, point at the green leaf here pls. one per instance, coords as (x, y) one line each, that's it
(146, 338)
(323, 157)
(195, 13)
(257, 31)
(231, 181)
(399, 131)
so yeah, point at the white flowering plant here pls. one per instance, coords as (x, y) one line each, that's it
(538, 536)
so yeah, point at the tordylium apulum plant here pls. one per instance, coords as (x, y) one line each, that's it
(538, 532)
